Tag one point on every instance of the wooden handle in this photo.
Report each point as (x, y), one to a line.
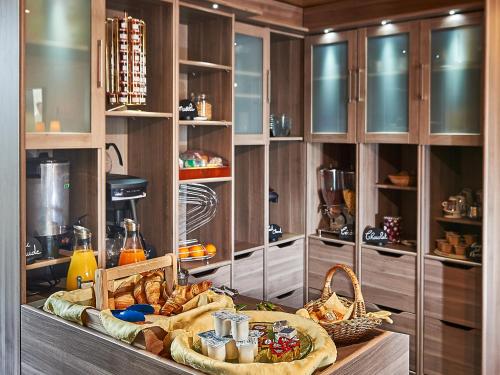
(359, 302)
(268, 87)
(421, 81)
(99, 63)
(349, 84)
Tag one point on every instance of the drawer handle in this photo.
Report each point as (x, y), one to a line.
(197, 275)
(286, 244)
(456, 265)
(457, 326)
(389, 254)
(333, 244)
(243, 256)
(285, 295)
(390, 309)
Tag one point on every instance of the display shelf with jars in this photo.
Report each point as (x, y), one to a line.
(332, 191)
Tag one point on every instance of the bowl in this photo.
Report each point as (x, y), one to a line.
(401, 180)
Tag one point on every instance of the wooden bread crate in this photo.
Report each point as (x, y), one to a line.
(105, 278)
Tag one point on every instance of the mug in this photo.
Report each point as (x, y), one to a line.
(451, 208)
(392, 226)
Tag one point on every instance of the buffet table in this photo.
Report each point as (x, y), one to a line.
(51, 345)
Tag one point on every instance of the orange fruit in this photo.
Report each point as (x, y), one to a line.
(183, 252)
(196, 251)
(211, 249)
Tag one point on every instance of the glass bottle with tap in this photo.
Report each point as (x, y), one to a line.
(132, 250)
(81, 271)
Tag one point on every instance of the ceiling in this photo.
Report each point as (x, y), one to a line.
(308, 3)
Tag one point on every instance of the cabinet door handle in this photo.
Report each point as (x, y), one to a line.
(99, 63)
(421, 81)
(349, 84)
(268, 93)
(358, 85)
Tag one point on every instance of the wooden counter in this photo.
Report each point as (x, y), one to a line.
(51, 345)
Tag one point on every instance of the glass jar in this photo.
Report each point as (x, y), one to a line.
(132, 250)
(204, 107)
(81, 271)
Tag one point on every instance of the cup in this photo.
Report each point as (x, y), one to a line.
(439, 243)
(449, 233)
(392, 226)
(447, 247)
(451, 208)
(460, 249)
(454, 239)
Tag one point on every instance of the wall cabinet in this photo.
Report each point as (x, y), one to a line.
(330, 63)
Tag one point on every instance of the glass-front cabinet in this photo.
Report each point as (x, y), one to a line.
(251, 90)
(59, 72)
(330, 87)
(452, 56)
(388, 78)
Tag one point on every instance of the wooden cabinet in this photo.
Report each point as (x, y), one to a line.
(294, 298)
(451, 349)
(251, 84)
(388, 279)
(388, 102)
(323, 255)
(218, 276)
(452, 85)
(285, 269)
(330, 87)
(249, 274)
(453, 292)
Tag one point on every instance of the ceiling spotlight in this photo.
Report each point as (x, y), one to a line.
(452, 12)
(329, 30)
(27, 11)
(384, 22)
(215, 6)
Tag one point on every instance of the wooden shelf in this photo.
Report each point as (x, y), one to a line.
(287, 237)
(332, 239)
(284, 139)
(205, 265)
(242, 247)
(392, 248)
(205, 123)
(451, 260)
(395, 187)
(205, 180)
(462, 221)
(138, 113)
(51, 262)
(191, 66)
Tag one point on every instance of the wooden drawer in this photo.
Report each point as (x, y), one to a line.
(451, 349)
(323, 255)
(285, 269)
(294, 299)
(249, 274)
(389, 279)
(453, 292)
(404, 322)
(218, 276)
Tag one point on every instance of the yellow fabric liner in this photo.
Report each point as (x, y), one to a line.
(324, 352)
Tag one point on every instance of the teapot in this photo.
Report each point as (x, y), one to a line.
(452, 207)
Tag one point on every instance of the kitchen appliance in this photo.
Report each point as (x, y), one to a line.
(338, 192)
(47, 202)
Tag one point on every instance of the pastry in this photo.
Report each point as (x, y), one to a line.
(152, 287)
(181, 295)
(140, 292)
(124, 300)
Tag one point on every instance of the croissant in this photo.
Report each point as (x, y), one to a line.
(181, 295)
(124, 300)
(152, 288)
(140, 291)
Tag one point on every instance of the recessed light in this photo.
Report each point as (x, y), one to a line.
(384, 22)
(329, 30)
(452, 12)
(215, 6)
(27, 11)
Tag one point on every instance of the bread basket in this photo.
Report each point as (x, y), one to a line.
(359, 323)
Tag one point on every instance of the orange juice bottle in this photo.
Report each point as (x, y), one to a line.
(81, 271)
(132, 250)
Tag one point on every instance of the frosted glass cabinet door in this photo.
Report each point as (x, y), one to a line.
(249, 84)
(58, 66)
(330, 65)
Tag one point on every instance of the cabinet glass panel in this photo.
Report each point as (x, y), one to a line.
(57, 70)
(387, 84)
(248, 84)
(456, 80)
(330, 92)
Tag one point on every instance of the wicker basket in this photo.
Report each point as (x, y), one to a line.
(359, 324)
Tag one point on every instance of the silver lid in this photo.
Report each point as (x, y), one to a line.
(82, 232)
(130, 225)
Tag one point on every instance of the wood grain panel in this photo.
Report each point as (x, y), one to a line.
(285, 268)
(348, 13)
(323, 255)
(293, 299)
(491, 267)
(453, 293)
(249, 274)
(218, 276)
(450, 349)
(11, 239)
(389, 279)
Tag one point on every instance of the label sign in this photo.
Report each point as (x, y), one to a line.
(374, 236)
(187, 110)
(347, 233)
